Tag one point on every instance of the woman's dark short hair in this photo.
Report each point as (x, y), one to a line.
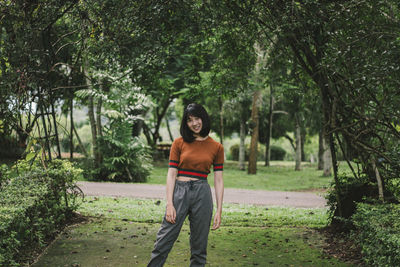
(195, 110)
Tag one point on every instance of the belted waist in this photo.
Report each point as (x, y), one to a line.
(190, 183)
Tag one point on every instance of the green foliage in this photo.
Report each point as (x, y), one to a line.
(125, 158)
(352, 191)
(3, 175)
(9, 147)
(391, 172)
(393, 186)
(234, 152)
(277, 153)
(35, 203)
(378, 233)
(342, 53)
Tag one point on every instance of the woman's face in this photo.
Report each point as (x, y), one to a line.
(195, 124)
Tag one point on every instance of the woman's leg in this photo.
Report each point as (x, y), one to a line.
(200, 214)
(169, 232)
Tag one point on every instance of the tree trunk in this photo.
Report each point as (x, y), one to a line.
(310, 62)
(320, 150)
(379, 181)
(92, 121)
(298, 143)
(169, 130)
(80, 142)
(303, 141)
(221, 119)
(269, 132)
(99, 127)
(98, 116)
(328, 108)
(137, 128)
(53, 113)
(252, 169)
(93, 128)
(327, 158)
(46, 135)
(242, 145)
(254, 125)
(71, 136)
(290, 141)
(147, 134)
(159, 115)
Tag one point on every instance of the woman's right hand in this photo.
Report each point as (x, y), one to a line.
(170, 215)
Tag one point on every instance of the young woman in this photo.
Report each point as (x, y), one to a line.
(188, 192)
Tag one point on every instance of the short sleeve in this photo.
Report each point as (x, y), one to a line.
(174, 154)
(219, 159)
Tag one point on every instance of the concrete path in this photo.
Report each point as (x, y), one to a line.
(241, 196)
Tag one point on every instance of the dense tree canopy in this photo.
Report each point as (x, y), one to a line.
(330, 66)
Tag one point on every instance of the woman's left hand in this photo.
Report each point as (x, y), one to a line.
(217, 220)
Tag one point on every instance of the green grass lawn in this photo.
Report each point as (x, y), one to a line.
(280, 176)
(121, 232)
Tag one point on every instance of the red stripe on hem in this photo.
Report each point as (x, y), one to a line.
(192, 173)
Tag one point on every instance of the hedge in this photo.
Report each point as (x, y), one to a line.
(277, 153)
(33, 206)
(378, 233)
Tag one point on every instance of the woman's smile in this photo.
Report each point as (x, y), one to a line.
(195, 124)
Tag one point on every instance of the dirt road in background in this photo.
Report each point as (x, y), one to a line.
(232, 195)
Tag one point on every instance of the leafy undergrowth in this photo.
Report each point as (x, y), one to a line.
(121, 232)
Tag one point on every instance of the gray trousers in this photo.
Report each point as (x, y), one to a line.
(191, 198)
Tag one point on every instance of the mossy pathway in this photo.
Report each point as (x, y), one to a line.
(123, 230)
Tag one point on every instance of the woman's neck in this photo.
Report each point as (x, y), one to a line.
(199, 137)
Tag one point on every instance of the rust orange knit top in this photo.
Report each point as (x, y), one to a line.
(195, 159)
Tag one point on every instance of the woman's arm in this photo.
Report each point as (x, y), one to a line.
(219, 195)
(170, 215)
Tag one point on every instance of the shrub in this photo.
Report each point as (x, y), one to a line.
(378, 233)
(34, 204)
(10, 148)
(124, 161)
(3, 175)
(277, 153)
(124, 158)
(351, 190)
(234, 152)
(393, 186)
